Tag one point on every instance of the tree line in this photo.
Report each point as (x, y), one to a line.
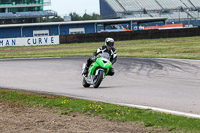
(77, 17)
(74, 17)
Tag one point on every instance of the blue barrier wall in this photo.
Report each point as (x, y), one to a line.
(10, 32)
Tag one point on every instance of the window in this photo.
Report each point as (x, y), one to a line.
(76, 30)
(40, 33)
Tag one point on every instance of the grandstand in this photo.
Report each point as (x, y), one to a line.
(175, 10)
(153, 6)
(23, 11)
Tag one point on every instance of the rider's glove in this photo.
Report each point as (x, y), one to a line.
(93, 58)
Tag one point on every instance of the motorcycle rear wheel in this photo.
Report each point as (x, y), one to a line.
(99, 79)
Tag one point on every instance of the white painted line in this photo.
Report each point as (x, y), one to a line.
(10, 59)
(41, 58)
(160, 110)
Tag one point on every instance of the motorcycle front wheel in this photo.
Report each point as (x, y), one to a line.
(98, 79)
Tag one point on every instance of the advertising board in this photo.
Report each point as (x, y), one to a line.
(30, 41)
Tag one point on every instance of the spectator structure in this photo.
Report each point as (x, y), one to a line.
(23, 11)
(175, 10)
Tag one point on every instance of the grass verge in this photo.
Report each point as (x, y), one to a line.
(108, 111)
(182, 48)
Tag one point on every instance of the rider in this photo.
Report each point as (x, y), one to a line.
(109, 48)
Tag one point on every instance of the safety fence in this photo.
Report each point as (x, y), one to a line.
(130, 35)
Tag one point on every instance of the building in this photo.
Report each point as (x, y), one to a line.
(21, 5)
(66, 28)
(177, 11)
(23, 11)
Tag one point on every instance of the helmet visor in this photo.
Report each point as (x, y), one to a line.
(110, 44)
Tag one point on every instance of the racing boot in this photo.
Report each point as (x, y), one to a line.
(85, 72)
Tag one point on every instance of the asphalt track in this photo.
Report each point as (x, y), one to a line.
(162, 84)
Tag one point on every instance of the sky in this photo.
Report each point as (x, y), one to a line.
(65, 7)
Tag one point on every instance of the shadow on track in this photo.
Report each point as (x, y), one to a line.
(101, 87)
(151, 66)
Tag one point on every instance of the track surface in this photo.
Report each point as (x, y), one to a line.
(163, 83)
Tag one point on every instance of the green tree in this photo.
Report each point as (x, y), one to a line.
(95, 16)
(86, 17)
(76, 17)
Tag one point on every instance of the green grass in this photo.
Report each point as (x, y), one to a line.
(182, 48)
(68, 106)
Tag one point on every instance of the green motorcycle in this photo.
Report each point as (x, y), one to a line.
(98, 70)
